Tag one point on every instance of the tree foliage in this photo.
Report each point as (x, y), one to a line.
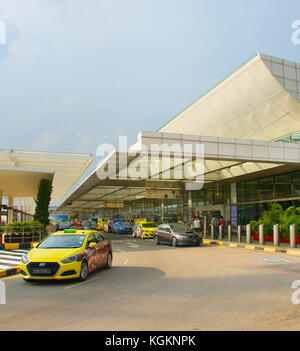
(42, 201)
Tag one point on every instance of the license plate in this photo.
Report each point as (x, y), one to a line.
(41, 271)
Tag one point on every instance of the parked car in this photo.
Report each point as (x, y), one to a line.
(176, 234)
(67, 254)
(89, 225)
(144, 230)
(121, 227)
(60, 225)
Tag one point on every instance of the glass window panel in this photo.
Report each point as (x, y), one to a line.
(218, 196)
(251, 190)
(296, 183)
(283, 185)
(209, 197)
(241, 191)
(201, 198)
(266, 188)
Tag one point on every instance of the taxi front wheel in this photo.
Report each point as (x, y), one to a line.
(108, 261)
(84, 271)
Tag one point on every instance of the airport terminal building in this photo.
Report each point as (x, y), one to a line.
(249, 127)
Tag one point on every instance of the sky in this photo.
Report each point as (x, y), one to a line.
(75, 74)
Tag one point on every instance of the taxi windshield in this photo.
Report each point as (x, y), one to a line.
(62, 242)
(149, 225)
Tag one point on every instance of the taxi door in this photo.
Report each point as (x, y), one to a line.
(101, 249)
(91, 252)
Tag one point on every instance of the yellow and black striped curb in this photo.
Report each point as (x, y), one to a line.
(288, 251)
(14, 246)
(9, 272)
(17, 246)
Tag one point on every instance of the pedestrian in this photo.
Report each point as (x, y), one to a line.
(196, 224)
(109, 223)
(222, 223)
(215, 225)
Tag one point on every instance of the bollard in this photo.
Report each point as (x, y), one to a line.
(239, 234)
(276, 235)
(220, 233)
(212, 232)
(204, 227)
(293, 236)
(248, 233)
(229, 232)
(261, 235)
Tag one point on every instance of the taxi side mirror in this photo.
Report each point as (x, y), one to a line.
(92, 245)
(35, 245)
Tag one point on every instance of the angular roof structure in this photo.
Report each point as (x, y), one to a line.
(237, 122)
(261, 100)
(20, 171)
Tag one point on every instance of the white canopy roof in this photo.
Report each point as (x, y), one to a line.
(261, 100)
(224, 159)
(20, 171)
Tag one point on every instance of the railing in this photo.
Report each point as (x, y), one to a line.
(218, 234)
(12, 235)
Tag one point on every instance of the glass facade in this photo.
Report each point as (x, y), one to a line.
(275, 187)
(253, 197)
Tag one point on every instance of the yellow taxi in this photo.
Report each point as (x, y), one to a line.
(101, 222)
(144, 230)
(67, 254)
(139, 220)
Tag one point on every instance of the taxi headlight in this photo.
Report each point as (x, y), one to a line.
(71, 259)
(24, 259)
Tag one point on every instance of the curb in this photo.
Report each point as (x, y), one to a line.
(287, 251)
(13, 246)
(16, 246)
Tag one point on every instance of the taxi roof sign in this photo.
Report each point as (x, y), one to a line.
(70, 231)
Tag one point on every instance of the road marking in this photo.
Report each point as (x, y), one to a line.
(11, 259)
(276, 260)
(119, 250)
(73, 286)
(237, 263)
(11, 253)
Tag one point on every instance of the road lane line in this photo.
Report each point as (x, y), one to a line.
(73, 286)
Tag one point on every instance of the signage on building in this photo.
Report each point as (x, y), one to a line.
(234, 216)
(163, 194)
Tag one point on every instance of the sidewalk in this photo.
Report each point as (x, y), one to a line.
(283, 248)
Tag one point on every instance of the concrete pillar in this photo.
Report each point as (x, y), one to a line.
(248, 233)
(233, 193)
(220, 233)
(239, 233)
(162, 210)
(261, 235)
(229, 233)
(205, 226)
(19, 215)
(1, 194)
(212, 231)
(10, 212)
(293, 236)
(190, 204)
(276, 235)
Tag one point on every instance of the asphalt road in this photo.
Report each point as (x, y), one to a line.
(162, 288)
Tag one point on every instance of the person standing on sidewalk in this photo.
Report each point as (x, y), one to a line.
(222, 223)
(196, 224)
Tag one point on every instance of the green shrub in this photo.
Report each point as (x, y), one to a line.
(276, 215)
(28, 228)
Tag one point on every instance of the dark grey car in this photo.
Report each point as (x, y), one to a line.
(176, 234)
